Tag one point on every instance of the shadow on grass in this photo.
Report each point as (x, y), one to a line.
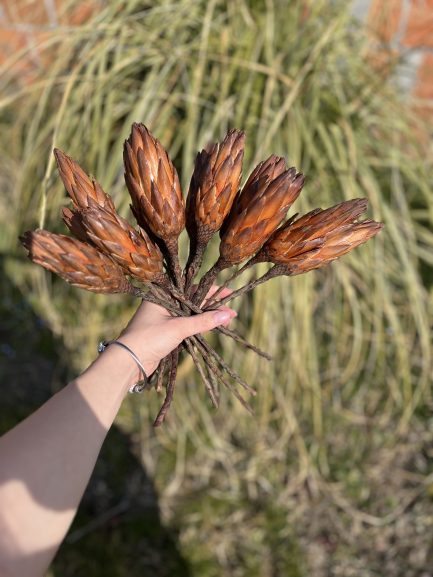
(118, 529)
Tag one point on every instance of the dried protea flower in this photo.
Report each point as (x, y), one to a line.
(213, 187)
(248, 222)
(132, 250)
(153, 184)
(261, 206)
(257, 211)
(319, 232)
(76, 262)
(214, 184)
(337, 244)
(78, 184)
(72, 219)
(313, 241)
(82, 189)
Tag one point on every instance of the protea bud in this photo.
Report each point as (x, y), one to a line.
(336, 244)
(312, 241)
(76, 262)
(259, 209)
(132, 250)
(78, 184)
(153, 184)
(213, 187)
(320, 236)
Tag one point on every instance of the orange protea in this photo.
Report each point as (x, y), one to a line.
(214, 184)
(260, 208)
(312, 241)
(76, 262)
(257, 211)
(320, 236)
(78, 184)
(153, 184)
(132, 250)
(82, 189)
(250, 222)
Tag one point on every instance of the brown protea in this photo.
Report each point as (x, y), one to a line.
(248, 222)
(154, 186)
(82, 189)
(72, 219)
(76, 262)
(258, 210)
(78, 184)
(320, 236)
(312, 241)
(311, 232)
(213, 187)
(132, 250)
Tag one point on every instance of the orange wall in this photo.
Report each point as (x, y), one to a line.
(407, 25)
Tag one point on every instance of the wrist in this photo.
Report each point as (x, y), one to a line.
(149, 365)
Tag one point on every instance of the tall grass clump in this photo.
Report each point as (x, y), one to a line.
(336, 455)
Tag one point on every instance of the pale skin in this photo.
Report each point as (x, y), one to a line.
(46, 460)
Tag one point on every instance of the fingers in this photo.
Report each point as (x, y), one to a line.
(188, 326)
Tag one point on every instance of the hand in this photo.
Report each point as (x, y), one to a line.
(153, 333)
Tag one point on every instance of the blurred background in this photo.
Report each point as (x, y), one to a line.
(334, 475)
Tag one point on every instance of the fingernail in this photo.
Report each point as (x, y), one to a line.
(223, 316)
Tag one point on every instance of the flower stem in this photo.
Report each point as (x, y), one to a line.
(276, 270)
(170, 388)
(193, 266)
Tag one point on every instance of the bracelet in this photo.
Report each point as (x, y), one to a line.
(140, 385)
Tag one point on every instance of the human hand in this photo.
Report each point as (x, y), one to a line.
(153, 333)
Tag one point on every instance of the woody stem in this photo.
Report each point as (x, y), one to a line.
(174, 356)
(276, 270)
(173, 261)
(207, 281)
(193, 265)
(237, 273)
(224, 330)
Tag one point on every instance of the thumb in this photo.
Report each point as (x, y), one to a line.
(188, 326)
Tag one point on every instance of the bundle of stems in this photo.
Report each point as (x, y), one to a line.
(108, 255)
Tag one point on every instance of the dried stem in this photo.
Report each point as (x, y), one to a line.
(234, 375)
(191, 349)
(193, 265)
(224, 330)
(276, 270)
(170, 389)
(161, 372)
(227, 384)
(207, 281)
(173, 261)
(237, 273)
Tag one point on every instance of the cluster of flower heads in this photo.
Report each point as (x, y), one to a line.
(106, 254)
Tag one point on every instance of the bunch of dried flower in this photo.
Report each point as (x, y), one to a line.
(109, 255)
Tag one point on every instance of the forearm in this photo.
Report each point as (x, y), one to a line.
(50, 457)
